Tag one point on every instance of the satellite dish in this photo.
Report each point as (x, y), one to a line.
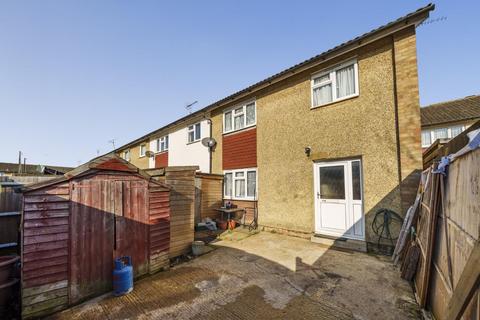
(209, 142)
(149, 154)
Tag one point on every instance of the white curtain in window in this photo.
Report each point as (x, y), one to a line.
(239, 184)
(239, 122)
(228, 184)
(322, 95)
(228, 121)
(456, 131)
(345, 81)
(426, 138)
(240, 188)
(441, 133)
(251, 183)
(250, 114)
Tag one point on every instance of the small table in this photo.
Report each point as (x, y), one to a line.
(229, 212)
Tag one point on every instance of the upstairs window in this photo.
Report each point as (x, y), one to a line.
(426, 138)
(455, 131)
(126, 155)
(194, 132)
(162, 144)
(430, 135)
(441, 133)
(240, 117)
(143, 150)
(335, 84)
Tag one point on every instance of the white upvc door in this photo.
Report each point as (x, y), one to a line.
(338, 199)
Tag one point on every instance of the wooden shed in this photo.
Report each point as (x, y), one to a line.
(74, 226)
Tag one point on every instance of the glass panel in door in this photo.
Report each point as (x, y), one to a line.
(332, 182)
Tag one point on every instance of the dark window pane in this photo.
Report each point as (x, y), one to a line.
(197, 131)
(356, 182)
(332, 182)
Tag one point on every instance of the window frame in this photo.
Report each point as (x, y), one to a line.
(125, 153)
(195, 139)
(333, 81)
(431, 131)
(245, 172)
(158, 142)
(140, 154)
(244, 112)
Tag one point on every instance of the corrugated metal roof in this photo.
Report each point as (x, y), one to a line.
(357, 41)
(467, 108)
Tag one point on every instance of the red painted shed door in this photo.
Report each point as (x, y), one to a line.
(108, 220)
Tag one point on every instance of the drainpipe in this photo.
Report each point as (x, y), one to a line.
(209, 121)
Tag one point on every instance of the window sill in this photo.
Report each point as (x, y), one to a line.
(239, 199)
(336, 101)
(196, 141)
(240, 130)
(159, 152)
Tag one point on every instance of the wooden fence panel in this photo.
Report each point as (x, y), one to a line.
(209, 195)
(182, 197)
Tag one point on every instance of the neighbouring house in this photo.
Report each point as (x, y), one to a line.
(446, 120)
(177, 144)
(12, 169)
(317, 149)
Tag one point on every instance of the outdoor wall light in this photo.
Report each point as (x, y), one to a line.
(308, 150)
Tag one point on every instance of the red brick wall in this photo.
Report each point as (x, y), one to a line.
(161, 160)
(239, 150)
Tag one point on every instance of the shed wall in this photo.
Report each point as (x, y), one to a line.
(72, 231)
(45, 250)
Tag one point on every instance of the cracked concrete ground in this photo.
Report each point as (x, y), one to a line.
(265, 276)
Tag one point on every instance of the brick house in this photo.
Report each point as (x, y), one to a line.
(321, 147)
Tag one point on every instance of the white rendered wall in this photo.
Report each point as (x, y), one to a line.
(182, 153)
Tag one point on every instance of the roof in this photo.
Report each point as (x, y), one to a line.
(34, 169)
(413, 18)
(463, 109)
(109, 162)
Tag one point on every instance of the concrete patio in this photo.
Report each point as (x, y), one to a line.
(264, 276)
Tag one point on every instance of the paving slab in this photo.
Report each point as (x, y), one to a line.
(264, 276)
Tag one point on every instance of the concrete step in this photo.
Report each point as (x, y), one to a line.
(344, 243)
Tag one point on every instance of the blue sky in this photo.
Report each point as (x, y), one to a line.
(75, 74)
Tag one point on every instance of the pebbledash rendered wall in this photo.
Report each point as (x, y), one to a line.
(365, 127)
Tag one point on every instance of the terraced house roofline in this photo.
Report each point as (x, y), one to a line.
(467, 108)
(411, 19)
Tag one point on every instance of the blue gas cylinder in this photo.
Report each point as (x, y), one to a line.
(122, 276)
